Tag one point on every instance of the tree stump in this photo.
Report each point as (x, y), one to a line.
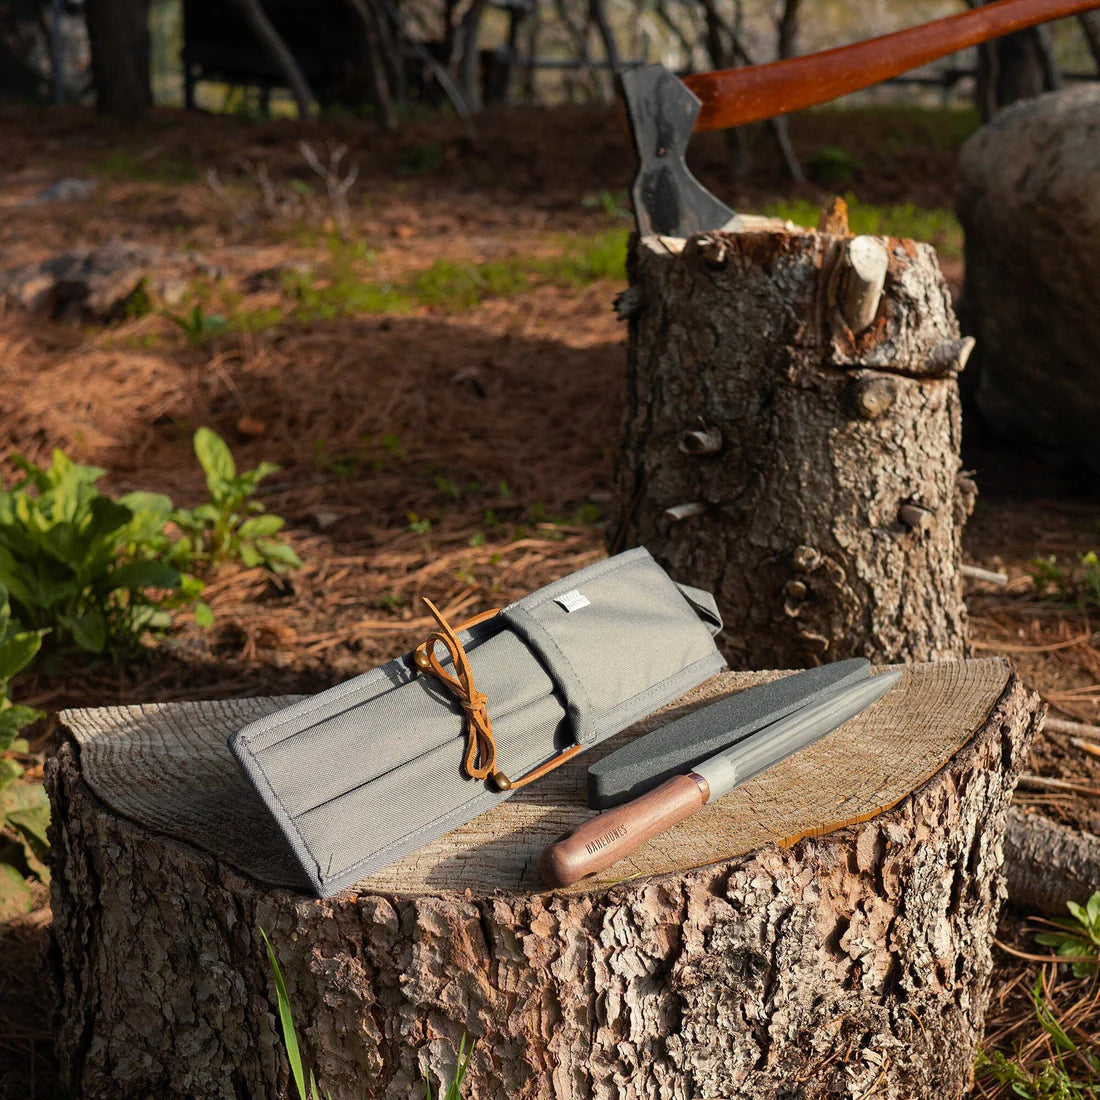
(791, 440)
(823, 931)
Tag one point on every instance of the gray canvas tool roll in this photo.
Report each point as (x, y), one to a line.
(368, 771)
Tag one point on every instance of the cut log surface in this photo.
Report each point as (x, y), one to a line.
(828, 923)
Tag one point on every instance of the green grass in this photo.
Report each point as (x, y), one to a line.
(936, 225)
(146, 165)
(339, 289)
(305, 1080)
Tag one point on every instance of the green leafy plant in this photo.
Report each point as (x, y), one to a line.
(1077, 938)
(82, 566)
(24, 810)
(1078, 584)
(232, 525)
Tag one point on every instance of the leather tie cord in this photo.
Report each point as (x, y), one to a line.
(480, 758)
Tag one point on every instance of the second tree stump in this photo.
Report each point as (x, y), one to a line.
(792, 440)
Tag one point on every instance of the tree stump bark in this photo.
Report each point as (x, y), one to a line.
(823, 930)
(791, 440)
(826, 927)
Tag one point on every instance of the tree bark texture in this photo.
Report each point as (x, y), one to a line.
(826, 962)
(825, 511)
(118, 33)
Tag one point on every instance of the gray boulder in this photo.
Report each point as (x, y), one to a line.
(103, 283)
(1029, 201)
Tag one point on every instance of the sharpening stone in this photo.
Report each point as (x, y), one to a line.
(674, 749)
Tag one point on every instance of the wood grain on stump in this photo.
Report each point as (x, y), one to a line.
(791, 440)
(824, 929)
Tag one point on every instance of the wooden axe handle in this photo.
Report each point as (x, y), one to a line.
(733, 97)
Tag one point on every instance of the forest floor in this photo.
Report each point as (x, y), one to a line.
(438, 374)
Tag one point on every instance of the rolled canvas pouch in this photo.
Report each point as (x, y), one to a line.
(372, 769)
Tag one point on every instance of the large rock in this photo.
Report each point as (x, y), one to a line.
(1029, 201)
(103, 283)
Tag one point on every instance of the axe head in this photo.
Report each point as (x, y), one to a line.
(668, 199)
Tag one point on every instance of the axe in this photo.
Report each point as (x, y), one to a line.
(664, 111)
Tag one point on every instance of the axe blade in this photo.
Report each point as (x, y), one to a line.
(668, 199)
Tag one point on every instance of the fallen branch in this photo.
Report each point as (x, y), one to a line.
(1044, 782)
(1075, 729)
(1047, 864)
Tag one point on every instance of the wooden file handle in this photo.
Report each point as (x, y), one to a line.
(733, 97)
(611, 835)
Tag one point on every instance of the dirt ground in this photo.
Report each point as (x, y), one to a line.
(466, 454)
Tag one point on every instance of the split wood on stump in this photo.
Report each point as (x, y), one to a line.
(825, 930)
(792, 439)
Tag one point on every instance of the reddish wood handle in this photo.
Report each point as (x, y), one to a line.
(733, 97)
(611, 835)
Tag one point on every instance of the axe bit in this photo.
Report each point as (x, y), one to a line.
(663, 110)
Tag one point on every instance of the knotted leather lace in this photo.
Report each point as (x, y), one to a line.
(480, 758)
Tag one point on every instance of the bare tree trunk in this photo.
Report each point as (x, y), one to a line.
(787, 28)
(1017, 66)
(370, 18)
(792, 441)
(786, 45)
(284, 60)
(714, 962)
(1090, 26)
(118, 33)
(468, 55)
(598, 14)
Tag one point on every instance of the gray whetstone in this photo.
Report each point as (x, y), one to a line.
(642, 764)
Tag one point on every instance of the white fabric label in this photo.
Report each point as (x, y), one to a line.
(572, 600)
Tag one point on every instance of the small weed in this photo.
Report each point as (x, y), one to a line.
(419, 525)
(340, 466)
(1078, 585)
(198, 325)
(140, 302)
(447, 487)
(294, 1053)
(1072, 1072)
(1072, 1069)
(393, 446)
(454, 1089)
(290, 1035)
(232, 525)
(615, 204)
